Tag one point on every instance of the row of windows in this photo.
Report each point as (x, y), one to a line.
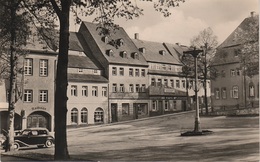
(132, 72)
(165, 67)
(84, 91)
(43, 67)
(132, 88)
(156, 104)
(28, 96)
(233, 72)
(222, 92)
(98, 115)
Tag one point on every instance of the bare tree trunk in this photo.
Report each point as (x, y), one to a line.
(12, 79)
(60, 112)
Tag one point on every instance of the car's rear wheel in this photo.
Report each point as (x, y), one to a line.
(16, 146)
(48, 143)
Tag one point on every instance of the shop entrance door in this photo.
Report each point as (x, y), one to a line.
(114, 112)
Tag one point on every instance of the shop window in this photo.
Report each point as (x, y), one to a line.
(84, 115)
(125, 108)
(154, 105)
(99, 116)
(74, 116)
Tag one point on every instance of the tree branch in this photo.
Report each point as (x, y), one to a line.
(56, 8)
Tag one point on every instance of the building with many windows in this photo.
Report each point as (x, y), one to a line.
(124, 66)
(166, 86)
(87, 88)
(231, 89)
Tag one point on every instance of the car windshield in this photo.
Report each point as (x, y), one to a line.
(26, 132)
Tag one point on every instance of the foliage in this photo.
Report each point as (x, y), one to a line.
(249, 52)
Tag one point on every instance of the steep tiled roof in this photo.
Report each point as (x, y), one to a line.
(152, 52)
(231, 39)
(74, 43)
(81, 62)
(96, 40)
(86, 78)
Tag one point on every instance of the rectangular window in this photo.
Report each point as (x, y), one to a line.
(137, 72)
(177, 83)
(95, 71)
(143, 73)
(232, 72)
(159, 83)
(224, 93)
(137, 88)
(223, 73)
(114, 71)
(104, 91)
(154, 105)
(166, 105)
(125, 108)
(121, 71)
(235, 92)
(131, 88)
(85, 91)
(43, 96)
(171, 83)
(131, 72)
(28, 67)
(152, 82)
(217, 95)
(121, 88)
(114, 88)
(28, 96)
(73, 90)
(169, 67)
(238, 72)
(183, 84)
(143, 88)
(43, 67)
(94, 91)
(165, 82)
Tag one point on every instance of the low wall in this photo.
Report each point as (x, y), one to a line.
(237, 112)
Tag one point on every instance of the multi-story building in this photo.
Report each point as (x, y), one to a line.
(87, 88)
(166, 86)
(231, 89)
(124, 66)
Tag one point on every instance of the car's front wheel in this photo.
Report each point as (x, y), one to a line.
(16, 146)
(48, 143)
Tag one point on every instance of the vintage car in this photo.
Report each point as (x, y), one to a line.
(33, 136)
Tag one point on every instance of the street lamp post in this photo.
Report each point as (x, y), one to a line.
(195, 52)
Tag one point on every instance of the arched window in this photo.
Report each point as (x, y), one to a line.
(251, 90)
(84, 115)
(234, 92)
(74, 116)
(99, 115)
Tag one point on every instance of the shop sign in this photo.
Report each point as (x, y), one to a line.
(169, 90)
(38, 108)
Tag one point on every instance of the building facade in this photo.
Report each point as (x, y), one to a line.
(232, 89)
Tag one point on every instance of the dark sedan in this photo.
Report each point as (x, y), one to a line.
(33, 136)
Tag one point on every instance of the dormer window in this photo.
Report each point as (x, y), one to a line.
(135, 55)
(123, 54)
(162, 52)
(105, 39)
(142, 50)
(110, 52)
(120, 42)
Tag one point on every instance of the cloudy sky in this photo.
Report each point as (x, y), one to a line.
(187, 20)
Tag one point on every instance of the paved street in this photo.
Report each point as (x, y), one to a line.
(158, 139)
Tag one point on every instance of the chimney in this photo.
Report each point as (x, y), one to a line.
(252, 13)
(136, 35)
(178, 44)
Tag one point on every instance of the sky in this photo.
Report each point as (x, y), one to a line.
(187, 20)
